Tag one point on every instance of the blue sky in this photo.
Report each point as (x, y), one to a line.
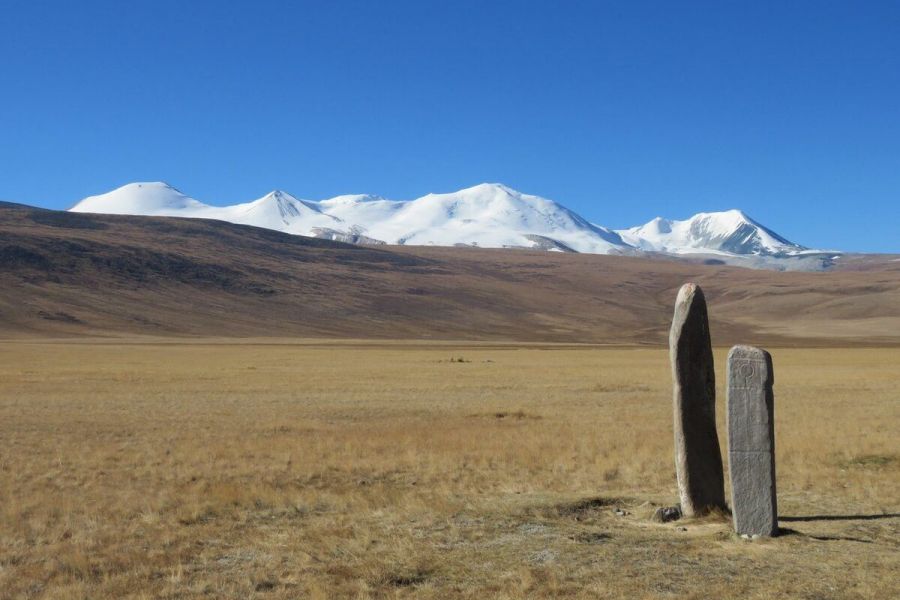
(620, 110)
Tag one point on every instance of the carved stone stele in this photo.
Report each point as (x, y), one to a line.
(751, 441)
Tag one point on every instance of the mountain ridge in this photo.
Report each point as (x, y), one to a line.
(489, 215)
(704, 231)
(74, 274)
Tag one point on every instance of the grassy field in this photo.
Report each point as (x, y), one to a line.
(319, 470)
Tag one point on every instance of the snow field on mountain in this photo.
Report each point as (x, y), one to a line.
(486, 215)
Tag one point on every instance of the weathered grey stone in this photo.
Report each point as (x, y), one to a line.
(751, 441)
(698, 458)
(665, 514)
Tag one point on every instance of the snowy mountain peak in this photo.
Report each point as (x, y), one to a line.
(489, 215)
(279, 210)
(278, 195)
(280, 204)
(143, 198)
(723, 220)
(348, 199)
(151, 185)
(483, 193)
(491, 188)
(730, 231)
(657, 226)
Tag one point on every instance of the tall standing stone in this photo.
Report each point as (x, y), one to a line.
(698, 459)
(751, 441)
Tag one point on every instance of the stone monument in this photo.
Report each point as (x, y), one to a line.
(751, 441)
(698, 458)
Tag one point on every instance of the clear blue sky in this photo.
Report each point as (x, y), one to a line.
(620, 110)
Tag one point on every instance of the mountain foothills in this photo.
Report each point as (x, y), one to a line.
(74, 274)
(486, 215)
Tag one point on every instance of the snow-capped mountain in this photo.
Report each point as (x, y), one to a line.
(728, 232)
(486, 215)
(152, 199)
(276, 210)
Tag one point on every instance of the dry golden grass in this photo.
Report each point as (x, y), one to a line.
(389, 470)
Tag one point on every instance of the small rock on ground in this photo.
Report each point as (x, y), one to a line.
(666, 514)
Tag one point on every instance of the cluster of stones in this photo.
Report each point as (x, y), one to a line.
(751, 431)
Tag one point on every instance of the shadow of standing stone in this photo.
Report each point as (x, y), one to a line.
(751, 441)
(698, 458)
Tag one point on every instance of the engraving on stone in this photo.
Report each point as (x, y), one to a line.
(744, 375)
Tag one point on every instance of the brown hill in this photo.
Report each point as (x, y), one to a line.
(74, 274)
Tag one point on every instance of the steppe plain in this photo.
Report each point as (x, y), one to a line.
(295, 469)
(199, 410)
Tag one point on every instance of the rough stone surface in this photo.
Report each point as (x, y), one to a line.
(665, 514)
(751, 441)
(698, 458)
